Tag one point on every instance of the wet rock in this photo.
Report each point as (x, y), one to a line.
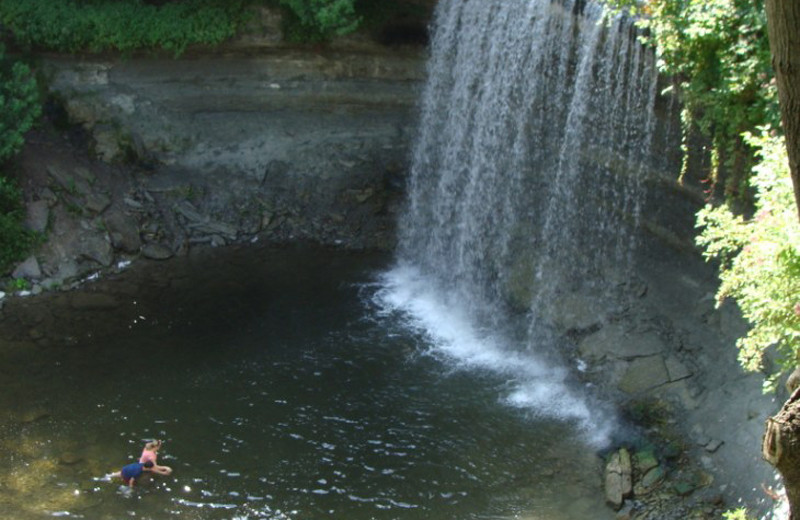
(651, 480)
(31, 416)
(70, 458)
(626, 513)
(644, 461)
(618, 483)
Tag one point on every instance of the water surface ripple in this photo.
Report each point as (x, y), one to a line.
(280, 392)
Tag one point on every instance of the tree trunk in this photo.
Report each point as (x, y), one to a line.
(781, 448)
(783, 24)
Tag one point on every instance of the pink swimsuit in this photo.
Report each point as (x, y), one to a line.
(148, 455)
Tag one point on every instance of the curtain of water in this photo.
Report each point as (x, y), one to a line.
(526, 179)
(525, 186)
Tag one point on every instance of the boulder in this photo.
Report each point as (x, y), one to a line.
(29, 269)
(38, 215)
(97, 248)
(618, 478)
(124, 231)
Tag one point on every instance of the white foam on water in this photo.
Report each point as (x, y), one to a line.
(535, 386)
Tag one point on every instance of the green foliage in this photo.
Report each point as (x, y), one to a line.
(19, 104)
(326, 16)
(717, 53)
(18, 284)
(760, 260)
(122, 25)
(736, 514)
(317, 20)
(19, 109)
(15, 240)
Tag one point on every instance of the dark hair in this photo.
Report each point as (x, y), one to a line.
(148, 464)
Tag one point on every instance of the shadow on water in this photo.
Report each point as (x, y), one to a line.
(279, 391)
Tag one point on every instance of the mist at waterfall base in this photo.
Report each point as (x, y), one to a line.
(526, 182)
(535, 386)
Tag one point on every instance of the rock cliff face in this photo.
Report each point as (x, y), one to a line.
(252, 140)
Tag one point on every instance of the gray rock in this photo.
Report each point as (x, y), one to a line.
(651, 480)
(64, 270)
(70, 458)
(38, 215)
(614, 342)
(644, 374)
(97, 202)
(28, 269)
(124, 231)
(215, 228)
(95, 247)
(676, 369)
(578, 312)
(618, 481)
(644, 461)
(107, 143)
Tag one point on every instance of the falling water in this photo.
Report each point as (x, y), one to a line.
(526, 183)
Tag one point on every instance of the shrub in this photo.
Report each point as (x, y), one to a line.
(321, 18)
(15, 240)
(19, 109)
(122, 25)
(19, 104)
(760, 261)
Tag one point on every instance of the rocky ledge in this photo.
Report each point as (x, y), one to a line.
(149, 157)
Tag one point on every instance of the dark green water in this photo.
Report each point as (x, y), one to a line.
(280, 392)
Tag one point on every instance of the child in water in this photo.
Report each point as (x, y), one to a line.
(150, 454)
(132, 472)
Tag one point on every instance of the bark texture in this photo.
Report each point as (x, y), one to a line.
(781, 448)
(783, 23)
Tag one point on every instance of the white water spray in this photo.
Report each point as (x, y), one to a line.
(526, 182)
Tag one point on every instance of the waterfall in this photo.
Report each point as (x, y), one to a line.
(525, 187)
